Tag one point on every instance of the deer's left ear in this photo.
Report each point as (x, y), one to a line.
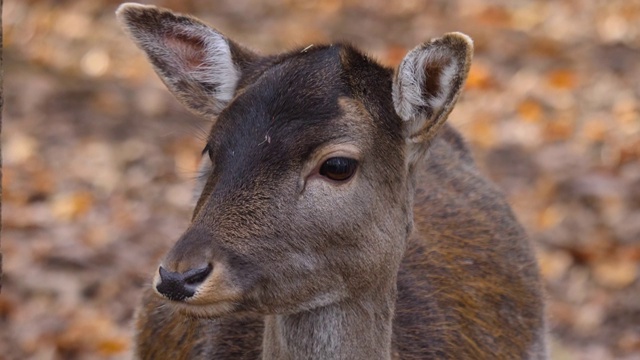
(427, 84)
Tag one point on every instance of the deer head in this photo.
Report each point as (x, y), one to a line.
(308, 195)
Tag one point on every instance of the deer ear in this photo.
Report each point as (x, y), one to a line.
(199, 65)
(428, 82)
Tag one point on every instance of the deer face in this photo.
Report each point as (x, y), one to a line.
(307, 197)
(291, 215)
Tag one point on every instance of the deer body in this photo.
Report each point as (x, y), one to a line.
(340, 217)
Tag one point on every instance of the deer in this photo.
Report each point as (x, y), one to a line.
(338, 215)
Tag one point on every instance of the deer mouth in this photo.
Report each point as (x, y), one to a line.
(204, 311)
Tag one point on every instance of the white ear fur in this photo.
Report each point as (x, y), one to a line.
(193, 59)
(428, 82)
(409, 97)
(218, 69)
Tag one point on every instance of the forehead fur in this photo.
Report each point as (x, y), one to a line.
(290, 103)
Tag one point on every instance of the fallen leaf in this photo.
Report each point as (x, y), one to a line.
(615, 274)
(562, 79)
(560, 128)
(71, 206)
(479, 77)
(595, 130)
(530, 110)
(554, 265)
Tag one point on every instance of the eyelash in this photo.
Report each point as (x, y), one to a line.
(207, 150)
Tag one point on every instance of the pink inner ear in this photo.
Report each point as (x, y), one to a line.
(189, 50)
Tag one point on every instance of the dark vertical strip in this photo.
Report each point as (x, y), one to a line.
(1, 107)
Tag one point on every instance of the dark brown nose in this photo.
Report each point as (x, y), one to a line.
(180, 286)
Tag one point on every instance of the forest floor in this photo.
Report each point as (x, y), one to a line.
(100, 160)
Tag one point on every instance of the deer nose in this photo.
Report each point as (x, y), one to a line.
(180, 286)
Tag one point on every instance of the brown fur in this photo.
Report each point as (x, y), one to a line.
(416, 256)
(459, 294)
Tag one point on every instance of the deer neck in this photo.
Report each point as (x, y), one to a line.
(352, 329)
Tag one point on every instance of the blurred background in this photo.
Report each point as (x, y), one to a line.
(100, 160)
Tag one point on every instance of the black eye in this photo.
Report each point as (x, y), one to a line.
(338, 168)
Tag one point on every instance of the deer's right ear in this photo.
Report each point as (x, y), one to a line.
(199, 65)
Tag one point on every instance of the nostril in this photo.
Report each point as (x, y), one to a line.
(167, 275)
(196, 276)
(172, 285)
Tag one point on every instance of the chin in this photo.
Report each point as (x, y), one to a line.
(204, 311)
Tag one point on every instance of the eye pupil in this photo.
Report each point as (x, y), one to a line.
(338, 168)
